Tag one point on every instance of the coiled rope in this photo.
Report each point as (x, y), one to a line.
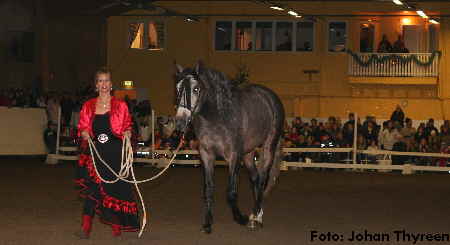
(126, 167)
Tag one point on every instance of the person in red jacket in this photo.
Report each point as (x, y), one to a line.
(106, 120)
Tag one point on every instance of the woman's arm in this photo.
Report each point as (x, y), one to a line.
(84, 122)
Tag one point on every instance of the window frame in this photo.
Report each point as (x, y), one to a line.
(327, 29)
(146, 21)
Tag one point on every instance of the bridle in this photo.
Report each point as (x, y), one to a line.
(184, 99)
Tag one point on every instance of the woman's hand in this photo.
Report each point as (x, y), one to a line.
(127, 134)
(85, 135)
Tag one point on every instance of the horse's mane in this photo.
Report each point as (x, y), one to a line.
(219, 91)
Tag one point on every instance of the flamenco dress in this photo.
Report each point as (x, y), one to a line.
(114, 203)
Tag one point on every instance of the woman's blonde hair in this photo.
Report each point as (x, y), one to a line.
(102, 70)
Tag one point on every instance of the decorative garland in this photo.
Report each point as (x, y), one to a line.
(375, 58)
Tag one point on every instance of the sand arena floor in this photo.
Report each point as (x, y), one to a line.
(39, 206)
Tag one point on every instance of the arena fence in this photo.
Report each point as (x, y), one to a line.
(160, 158)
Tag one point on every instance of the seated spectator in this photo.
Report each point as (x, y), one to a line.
(384, 46)
(399, 46)
(398, 115)
(430, 127)
(372, 146)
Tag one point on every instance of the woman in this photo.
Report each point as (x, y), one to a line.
(106, 120)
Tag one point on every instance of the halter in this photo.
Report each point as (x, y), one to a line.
(186, 88)
(186, 98)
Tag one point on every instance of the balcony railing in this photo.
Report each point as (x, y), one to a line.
(394, 64)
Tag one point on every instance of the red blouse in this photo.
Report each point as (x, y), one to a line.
(120, 118)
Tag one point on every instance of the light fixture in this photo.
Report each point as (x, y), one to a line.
(190, 19)
(276, 7)
(434, 22)
(298, 16)
(422, 14)
(127, 84)
(398, 2)
(406, 21)
(293, 13)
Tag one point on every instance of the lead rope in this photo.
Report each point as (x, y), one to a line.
(126, 167)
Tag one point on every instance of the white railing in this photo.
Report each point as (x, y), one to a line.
(394, 67)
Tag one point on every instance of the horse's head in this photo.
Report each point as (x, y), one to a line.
(189, 90)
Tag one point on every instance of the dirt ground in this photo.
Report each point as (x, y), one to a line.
(39, 206)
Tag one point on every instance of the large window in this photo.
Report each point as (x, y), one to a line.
(337, 36)
(367, 35)
(305, 36)
(148, 35)
(283, 38)
(243, 36)
(224, 30)
(263, 36)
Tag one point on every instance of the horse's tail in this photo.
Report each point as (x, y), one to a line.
(274, 171)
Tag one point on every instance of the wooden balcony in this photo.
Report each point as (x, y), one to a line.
(394, 68)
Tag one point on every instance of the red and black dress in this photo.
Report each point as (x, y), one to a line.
(114, 203)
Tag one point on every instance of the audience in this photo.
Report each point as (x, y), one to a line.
(396, 134)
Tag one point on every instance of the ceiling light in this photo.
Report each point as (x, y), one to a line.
(298, 16)
(434, 22)
(422, 14)
(398, 2)
(190, 19)
(293, 13)
(276, 7)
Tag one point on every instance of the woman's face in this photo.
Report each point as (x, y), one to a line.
(103, 83)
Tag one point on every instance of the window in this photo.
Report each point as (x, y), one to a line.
(243, 36)
(283, 37)
(148, 35)
(224, 30)
(305, 36)
(367, 34)
(337, 36)
(263, 36)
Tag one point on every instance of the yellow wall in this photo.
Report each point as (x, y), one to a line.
(324, 94)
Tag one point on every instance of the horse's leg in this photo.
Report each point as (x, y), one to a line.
(249, 161)
(264, 167)
(208, 188)
(232, 193)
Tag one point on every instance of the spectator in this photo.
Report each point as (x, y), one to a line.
(398, 115)
(384, 46)
(399, 46)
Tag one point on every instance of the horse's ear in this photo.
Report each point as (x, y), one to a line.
(178, 68)
(199, 67)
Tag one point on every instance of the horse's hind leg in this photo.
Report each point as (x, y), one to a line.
(264, 168)
(232, 193)
(254, 179)
(208, 188)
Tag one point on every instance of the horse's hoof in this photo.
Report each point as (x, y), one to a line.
(243, 220)
(206, 229)
(254, 225)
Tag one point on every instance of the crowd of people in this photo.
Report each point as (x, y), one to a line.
(397, 134)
